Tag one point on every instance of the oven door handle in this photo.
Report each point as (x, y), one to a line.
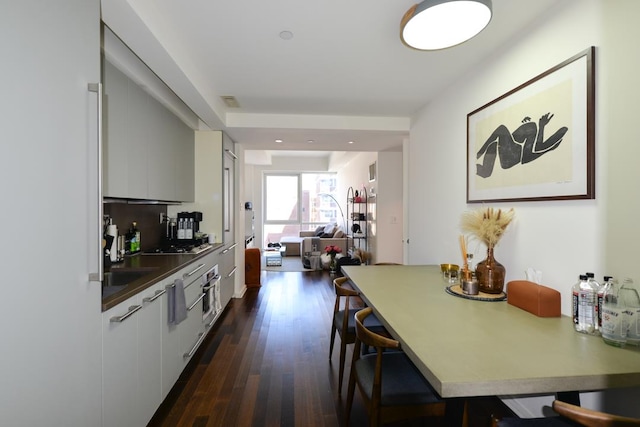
(211, 285)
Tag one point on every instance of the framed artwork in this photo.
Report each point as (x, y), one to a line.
(536, 142)
(372, 172)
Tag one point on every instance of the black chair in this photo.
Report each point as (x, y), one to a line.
(391, 386)
(570, 415)
(344, 323)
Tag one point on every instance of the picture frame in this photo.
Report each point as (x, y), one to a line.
(537, 141)
(372, 172)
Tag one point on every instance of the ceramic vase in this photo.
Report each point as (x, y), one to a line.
(490, 274)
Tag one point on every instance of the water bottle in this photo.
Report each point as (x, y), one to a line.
(591, 278)
(614, 316)
(630, 296)
(584, 301)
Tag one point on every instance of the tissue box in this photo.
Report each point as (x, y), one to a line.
(536, 299)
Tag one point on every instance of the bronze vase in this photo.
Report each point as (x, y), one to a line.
(490, 274)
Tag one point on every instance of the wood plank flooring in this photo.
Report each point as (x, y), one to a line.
(266, 363)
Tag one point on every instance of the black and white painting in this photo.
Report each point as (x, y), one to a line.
(536, 142)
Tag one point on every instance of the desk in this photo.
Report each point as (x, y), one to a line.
(474, 348)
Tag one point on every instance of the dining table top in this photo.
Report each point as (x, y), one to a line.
(467, 347)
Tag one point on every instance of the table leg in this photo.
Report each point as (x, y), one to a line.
(454, 411)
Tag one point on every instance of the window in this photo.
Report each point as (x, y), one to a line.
(297, 201)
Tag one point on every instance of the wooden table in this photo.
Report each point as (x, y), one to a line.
(475, 348)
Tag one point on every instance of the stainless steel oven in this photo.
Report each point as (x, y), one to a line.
(211, 305)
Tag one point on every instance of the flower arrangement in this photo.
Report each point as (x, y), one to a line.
(332, 250)
(487, 225)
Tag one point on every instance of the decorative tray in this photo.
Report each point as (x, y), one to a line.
(456, 290)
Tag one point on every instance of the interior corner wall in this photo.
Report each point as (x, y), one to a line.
(355, 173)
(561, 238)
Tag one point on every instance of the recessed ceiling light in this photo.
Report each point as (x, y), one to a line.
(350, 142)
(286, 35)
(310, 141)
(278, 141)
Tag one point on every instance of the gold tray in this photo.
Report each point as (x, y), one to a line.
(456, 290)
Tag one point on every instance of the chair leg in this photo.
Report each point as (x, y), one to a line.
(343, 354)
(351, 390)
(333, 339)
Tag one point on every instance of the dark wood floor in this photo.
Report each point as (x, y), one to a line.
(266, 364)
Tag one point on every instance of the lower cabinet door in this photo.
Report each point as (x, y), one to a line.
(120, 365)
(172, 363)
(193, 329)
(150, 352)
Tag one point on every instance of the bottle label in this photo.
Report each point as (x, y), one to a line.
(614, 324)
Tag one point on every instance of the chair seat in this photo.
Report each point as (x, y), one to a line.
(402, 383)
(371, 322)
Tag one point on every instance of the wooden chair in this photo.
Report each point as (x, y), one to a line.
(391, 386)
(570, 415)
(344, 323)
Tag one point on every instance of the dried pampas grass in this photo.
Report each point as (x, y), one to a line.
(486, 225)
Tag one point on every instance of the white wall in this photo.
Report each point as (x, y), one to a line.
(562, 239)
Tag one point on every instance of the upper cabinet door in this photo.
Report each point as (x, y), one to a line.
(115, 135)
(148, 150)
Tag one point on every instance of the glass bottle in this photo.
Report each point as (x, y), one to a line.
(630, 296)
(614, 319)
(584, 306)
(181, 228)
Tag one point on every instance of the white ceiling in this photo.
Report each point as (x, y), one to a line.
(344, 76)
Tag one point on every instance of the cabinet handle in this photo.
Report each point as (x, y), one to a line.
(184, 276)
(98, 277)
(132, 309)
(231, 153)
(235, 267)
(201, 337)
(196, 301)
(210, 324)
(229, 248)
(155, 296)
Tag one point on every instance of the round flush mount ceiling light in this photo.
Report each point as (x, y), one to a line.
(438, 24)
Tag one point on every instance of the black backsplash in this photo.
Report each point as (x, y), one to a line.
(147, 217)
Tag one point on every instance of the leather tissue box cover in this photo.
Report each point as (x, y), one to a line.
(536, 299)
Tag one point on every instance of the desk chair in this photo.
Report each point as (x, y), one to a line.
(391, 386)
(570, 415)
(344, 323)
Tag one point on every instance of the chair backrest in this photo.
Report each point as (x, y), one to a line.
(365, 336)
(342, 291)
(590, 418)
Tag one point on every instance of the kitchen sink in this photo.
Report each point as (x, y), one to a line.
(124, 276)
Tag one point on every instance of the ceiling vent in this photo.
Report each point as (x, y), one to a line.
(230, 101)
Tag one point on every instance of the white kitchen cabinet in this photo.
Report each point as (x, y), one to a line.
(136, 160)
(149, 352)
(132, 359)
(120, 365)
(180, 339)
(228, 189)
(228, 269)
(148, 150)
